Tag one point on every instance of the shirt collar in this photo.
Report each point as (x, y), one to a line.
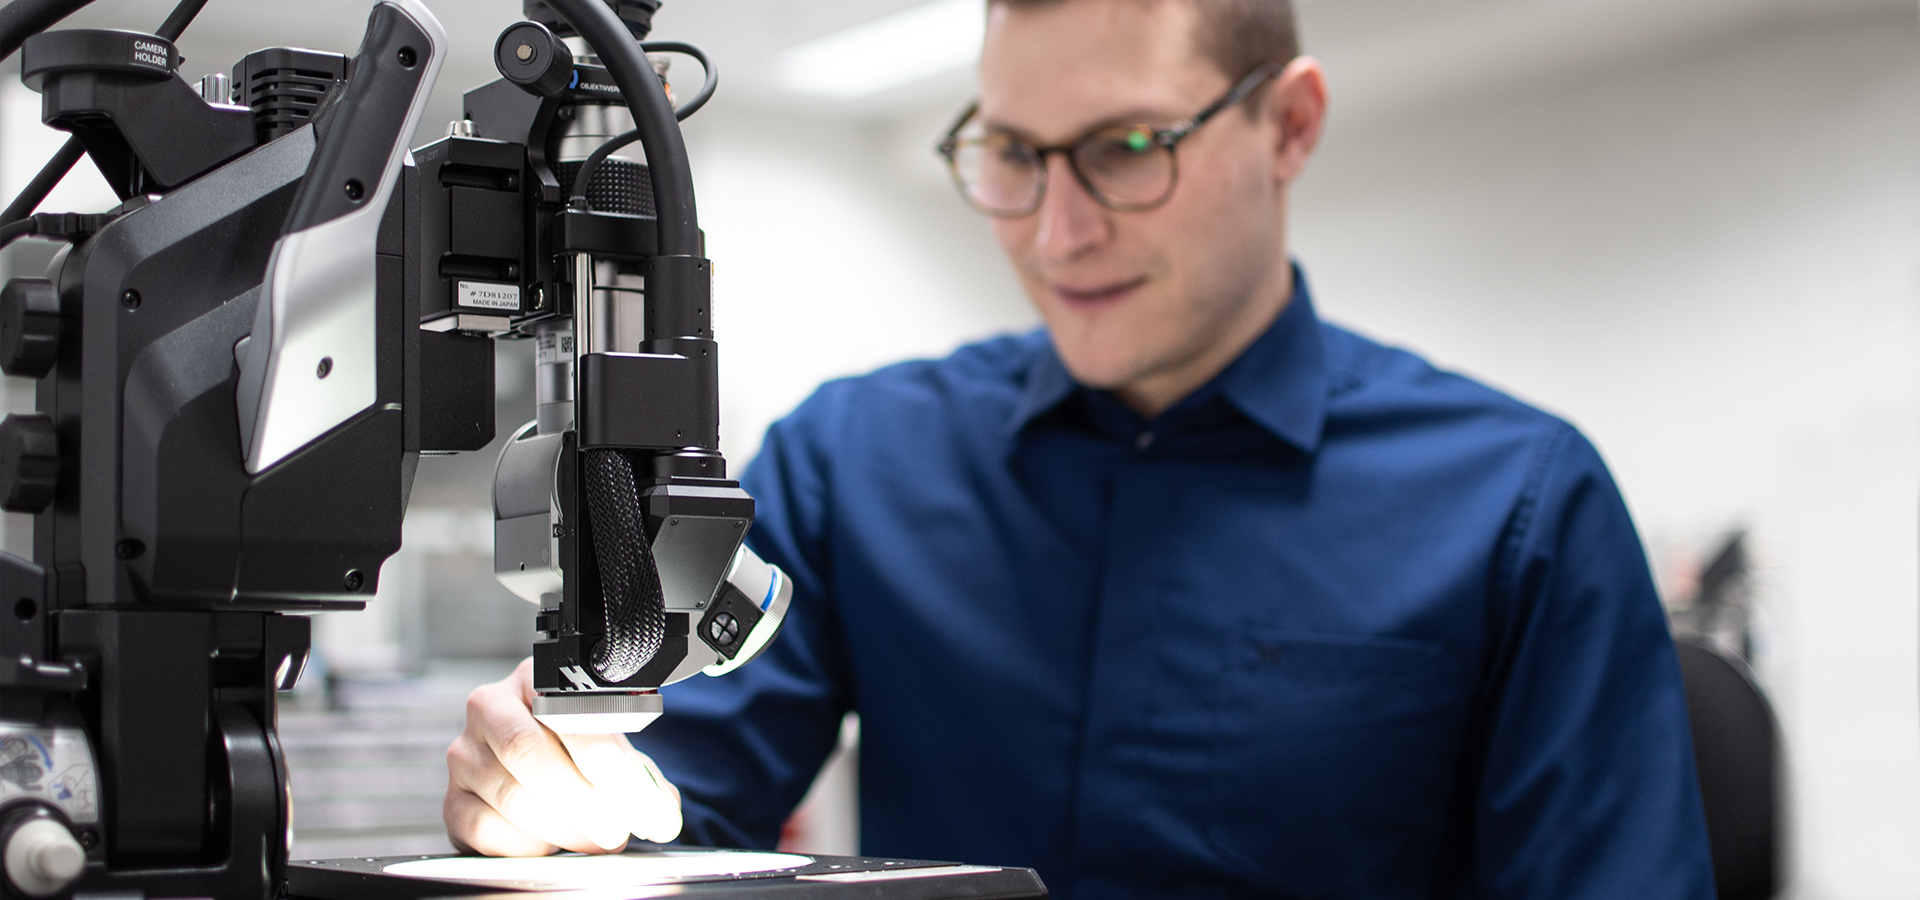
(1047, 385)
(1280, 382)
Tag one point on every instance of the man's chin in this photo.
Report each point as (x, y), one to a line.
(1103, 352)
(1097, 373)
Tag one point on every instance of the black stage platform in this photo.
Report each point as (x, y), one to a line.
(699, 874)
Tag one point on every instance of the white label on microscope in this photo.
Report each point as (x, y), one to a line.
(553, 347)
(52, 765)
(481, 295)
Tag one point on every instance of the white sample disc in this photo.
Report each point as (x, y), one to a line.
(575, 872)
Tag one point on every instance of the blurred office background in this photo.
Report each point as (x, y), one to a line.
(1691, 228)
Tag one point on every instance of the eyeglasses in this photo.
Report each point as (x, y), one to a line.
(1127, 168)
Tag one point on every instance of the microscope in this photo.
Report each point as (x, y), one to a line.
(240, 365)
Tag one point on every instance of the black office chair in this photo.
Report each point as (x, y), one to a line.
(1736, 746)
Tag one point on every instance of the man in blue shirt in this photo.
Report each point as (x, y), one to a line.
(1189, 594)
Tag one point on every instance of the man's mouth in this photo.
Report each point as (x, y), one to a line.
(1097, 295)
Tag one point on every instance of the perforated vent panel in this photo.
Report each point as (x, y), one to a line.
(285, 87)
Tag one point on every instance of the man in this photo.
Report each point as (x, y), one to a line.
(1187, 595)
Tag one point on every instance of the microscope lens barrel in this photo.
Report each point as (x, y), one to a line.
(612, 316)
(553, 376)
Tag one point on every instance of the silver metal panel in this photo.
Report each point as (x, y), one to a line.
(585, 713)
(591, 126)
(693, 553)
(523, 557)
(772, 590)
(553, 375)
(526, 551)
(320, 307)
(620, 302)
(699, 658)
(320, 370)
(523, 478)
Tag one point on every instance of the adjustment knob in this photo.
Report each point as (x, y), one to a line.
(29, 462)
(42, 857)
(29, 327)
(530, 56)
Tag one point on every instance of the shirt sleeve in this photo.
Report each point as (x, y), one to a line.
(1588, 787)
(744, 747)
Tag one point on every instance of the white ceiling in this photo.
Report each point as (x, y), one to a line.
(1392, 57)
(1384, 56)
(741, 35)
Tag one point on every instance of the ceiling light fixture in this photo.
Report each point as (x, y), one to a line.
(908, 46)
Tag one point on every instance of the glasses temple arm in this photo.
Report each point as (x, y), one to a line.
(946, 143)
(1240, 91)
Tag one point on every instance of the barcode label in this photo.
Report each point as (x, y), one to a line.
(553, 347)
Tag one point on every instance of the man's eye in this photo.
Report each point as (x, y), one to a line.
(1132, 142)
(1010, 153)
(1117, 147)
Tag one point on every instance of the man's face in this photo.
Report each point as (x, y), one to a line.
(1138, 301)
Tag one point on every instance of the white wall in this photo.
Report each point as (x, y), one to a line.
(835, 252)
(1707, 255)
(25, 145)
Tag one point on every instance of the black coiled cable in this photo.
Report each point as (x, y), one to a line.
(636, 610)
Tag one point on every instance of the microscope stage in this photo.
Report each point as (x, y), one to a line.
(678, 872)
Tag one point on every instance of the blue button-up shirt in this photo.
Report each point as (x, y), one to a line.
(1338, 624)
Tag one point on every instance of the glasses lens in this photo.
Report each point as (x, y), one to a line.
(998, 173)
(1126, 166)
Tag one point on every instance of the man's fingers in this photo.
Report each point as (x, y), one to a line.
(628, 781)
(522, 681)
(556, 821)
(539, 763)
(474, 771)
(668, 826)
(475, 827)
(517, 788)
(628, 788)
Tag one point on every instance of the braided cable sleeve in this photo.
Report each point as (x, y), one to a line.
(636, 610)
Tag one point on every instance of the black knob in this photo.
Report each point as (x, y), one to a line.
(29, 462)
(532, 57)
(29, 327)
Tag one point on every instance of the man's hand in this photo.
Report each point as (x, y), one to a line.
(514, 788)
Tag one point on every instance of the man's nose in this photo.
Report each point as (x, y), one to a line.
(1071, 221)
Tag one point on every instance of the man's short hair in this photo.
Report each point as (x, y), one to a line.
(1237, 35)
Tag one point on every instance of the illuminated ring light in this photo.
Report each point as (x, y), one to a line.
(568, 872)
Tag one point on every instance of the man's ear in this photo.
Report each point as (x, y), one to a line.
(1297, 100)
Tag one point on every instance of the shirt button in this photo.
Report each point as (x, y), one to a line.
(1144, 441)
